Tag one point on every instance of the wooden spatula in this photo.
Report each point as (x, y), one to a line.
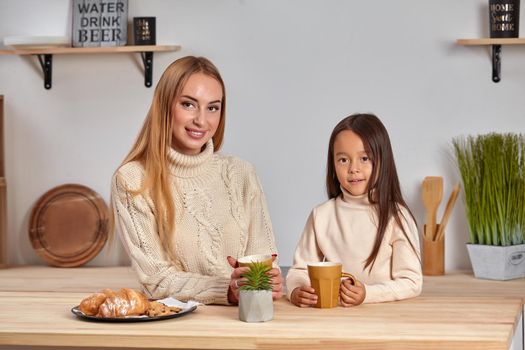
(432, 194)
(448, 211)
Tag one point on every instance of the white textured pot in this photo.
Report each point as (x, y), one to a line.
(497, 263)
(255, 305)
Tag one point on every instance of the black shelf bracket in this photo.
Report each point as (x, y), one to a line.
(47, 68)
(496, 63)
(46, 62)
(147, 59)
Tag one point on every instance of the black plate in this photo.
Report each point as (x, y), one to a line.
(80, 314)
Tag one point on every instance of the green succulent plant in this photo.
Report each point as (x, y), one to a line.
(492, 168)
(256, 278)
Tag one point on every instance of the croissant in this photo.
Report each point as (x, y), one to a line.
(90, 305)
(125, 302)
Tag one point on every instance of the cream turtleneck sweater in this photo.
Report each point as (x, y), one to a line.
(220, 211)
(344, 230)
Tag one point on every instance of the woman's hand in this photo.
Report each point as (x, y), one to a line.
(351, 295)
(303, 296)
(236, 280)
(277, 281)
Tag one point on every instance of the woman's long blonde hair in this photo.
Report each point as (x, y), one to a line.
(154, 140)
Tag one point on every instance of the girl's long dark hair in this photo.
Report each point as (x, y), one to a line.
(384, 191)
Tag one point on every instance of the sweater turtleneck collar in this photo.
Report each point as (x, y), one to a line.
(355, 201)
(185, 165)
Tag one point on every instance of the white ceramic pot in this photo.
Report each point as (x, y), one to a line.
(496, 262)
(255, 305)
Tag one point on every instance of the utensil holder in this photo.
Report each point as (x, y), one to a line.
(3, 224)
(433, 257)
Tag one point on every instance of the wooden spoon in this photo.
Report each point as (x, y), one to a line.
(432, 194)
(448, 211)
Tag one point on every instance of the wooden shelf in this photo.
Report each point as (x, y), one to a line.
(87, 50)
(45, 56)
(496, 50)
(491, 41)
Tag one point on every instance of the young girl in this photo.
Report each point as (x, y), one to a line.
(366, 225)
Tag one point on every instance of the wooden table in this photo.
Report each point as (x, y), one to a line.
(56, 279)
(436, 320)
(464, 284)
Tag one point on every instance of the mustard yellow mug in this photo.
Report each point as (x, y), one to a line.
(325, 278)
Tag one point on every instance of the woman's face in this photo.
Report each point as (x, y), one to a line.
(196, 113)
(353, 166)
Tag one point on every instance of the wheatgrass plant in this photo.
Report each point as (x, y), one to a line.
(492, 168)
(257, 277)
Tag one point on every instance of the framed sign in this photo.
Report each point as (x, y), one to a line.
(99, 23)
(144, 30)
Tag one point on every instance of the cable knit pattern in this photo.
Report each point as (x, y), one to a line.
(220, 211)
(344, 230)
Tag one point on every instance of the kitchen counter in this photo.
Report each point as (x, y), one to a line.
(56, 279)
(35, 305)
(463, 283)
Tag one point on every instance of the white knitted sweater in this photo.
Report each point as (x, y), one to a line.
(220, 211)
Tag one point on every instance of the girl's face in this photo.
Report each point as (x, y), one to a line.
(353, 166)
(196, 113)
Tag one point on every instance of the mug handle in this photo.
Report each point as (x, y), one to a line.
(350, 277)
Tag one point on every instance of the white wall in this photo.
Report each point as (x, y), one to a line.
(293, 69)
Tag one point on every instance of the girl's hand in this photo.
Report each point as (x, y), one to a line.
(303, 296)
(277, 283)
(351, 295)
(236, 280)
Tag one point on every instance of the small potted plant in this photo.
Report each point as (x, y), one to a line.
(255, 295)
(492, 168)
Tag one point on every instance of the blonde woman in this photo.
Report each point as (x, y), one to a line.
(184, 212)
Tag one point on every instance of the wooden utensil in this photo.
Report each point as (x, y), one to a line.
(432, 194)
(3, 199)
(2, 161)
(448, 211)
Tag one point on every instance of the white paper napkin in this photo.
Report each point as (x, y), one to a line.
(183, 305)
